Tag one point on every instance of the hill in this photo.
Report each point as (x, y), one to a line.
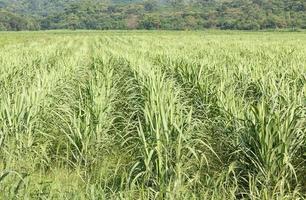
(151, 14)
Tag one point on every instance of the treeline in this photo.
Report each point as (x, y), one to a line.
(170, 14)
(12, 22)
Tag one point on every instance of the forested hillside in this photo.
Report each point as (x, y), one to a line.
(151, 14)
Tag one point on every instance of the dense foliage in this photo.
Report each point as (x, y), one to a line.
(10, 21)
(151, 14)
(153, 115)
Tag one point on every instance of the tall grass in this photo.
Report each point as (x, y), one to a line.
(164, 115)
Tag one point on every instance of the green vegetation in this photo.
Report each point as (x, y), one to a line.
(152, 14)
(152, 115)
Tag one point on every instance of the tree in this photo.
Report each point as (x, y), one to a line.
(150, 5)
(72, 22)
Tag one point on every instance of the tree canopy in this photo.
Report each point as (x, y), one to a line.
(152, 14)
